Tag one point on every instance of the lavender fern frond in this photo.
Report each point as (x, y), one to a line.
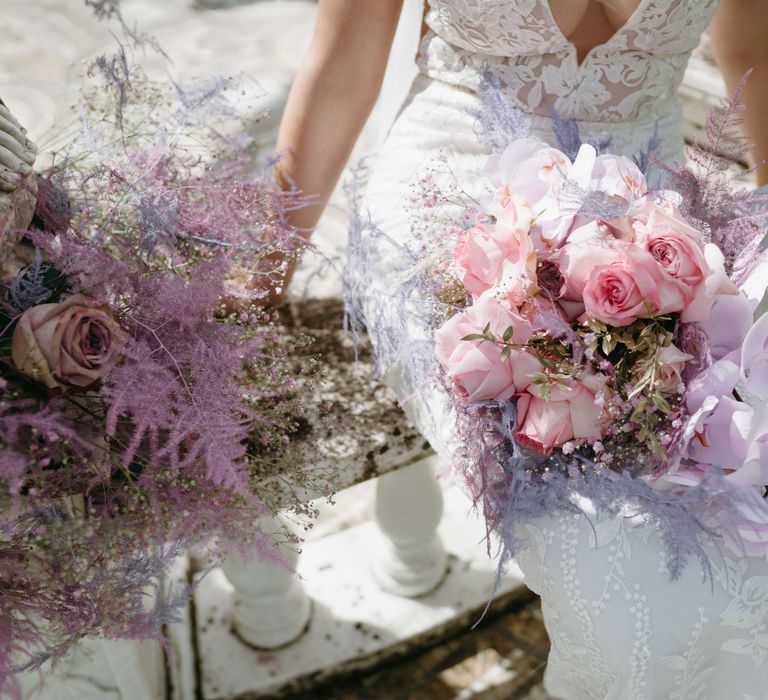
(498, 122)
(566, 133)
(30, 287)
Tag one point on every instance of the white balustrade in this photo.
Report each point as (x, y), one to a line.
(409, 505)
(270, 608)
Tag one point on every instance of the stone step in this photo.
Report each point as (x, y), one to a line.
(355, 624)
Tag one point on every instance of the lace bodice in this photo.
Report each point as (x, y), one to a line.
(635, 73)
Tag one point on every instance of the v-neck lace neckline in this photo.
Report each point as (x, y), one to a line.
(631, 20)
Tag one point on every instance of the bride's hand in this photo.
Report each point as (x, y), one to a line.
(17, 152)
(246, 288)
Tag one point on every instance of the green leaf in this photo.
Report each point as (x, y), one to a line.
(639, 412)
(661, 403)
(508, 334)
(505, 353)
(474, 336)
(657, 449)
(609, 344)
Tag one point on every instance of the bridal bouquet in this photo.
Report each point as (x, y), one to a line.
(608, 341)
(147, 401)
(578, 334)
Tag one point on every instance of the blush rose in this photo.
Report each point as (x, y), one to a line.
(619, 283)
(678, 249)
(475, 368)
(570, 412)
(492, 256)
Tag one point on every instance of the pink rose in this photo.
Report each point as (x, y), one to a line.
(66, 344)
(576, 261)
(629, 287)
(494, 256)
(678, 249)
(475, 368)
(569, 413)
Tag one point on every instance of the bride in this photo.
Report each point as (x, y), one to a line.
(619, 627)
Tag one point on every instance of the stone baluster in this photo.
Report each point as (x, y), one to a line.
(100, 669)
(270, 608)
(409, 504)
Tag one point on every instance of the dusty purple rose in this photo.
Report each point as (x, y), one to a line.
(550, 279)
(69, 344)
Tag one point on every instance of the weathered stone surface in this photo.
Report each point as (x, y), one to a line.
(365, 433)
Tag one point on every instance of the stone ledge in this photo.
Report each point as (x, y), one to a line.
(365, 434)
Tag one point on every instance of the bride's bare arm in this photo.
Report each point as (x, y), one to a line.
(739, 35)
(332, 95)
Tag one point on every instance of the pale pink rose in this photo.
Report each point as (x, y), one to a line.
(678, 248)
(672, 362)
(715, 283)
(496, 257)
(478, 258)
(570, 413)
(576, 261)
(66, 344)
(632, 286)
(475, 368)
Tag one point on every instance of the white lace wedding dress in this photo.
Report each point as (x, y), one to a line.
(619, 627)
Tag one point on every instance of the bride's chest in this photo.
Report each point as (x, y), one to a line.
(544, 26)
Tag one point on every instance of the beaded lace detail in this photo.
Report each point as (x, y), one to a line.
(635, 73)
(621, 629)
